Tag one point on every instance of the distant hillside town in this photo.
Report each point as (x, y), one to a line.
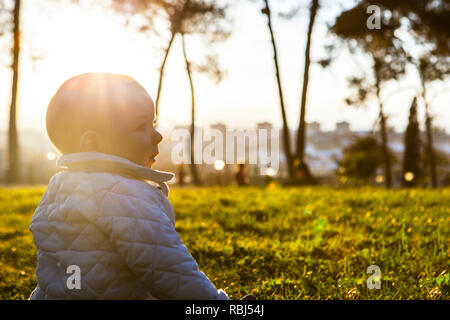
(324, 148)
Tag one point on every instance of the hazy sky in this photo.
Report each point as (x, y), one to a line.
(73, 40)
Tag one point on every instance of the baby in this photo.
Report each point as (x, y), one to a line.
(104, 229)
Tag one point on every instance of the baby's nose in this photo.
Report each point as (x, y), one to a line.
(157, 137)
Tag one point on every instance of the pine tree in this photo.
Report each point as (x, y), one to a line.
(411, 158)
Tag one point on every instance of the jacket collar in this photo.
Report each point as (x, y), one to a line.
(96, 161)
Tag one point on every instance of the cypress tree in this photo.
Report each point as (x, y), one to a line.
(411, 156)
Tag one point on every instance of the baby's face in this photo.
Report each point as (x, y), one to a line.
(133, 135)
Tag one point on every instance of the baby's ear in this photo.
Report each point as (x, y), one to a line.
(90, 142)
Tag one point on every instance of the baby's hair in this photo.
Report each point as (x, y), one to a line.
(85, 102)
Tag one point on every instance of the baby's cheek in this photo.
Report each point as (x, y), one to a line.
(145, 149)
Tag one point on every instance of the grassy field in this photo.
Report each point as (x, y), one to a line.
(282, 243)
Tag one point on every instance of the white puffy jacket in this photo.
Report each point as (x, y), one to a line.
(111, 218)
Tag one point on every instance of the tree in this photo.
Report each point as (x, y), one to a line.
(211, 68)
(430, 69)
(286, 139)
(200, 17)
(194, 173)
(10, 23)
(301, 133)
(427, 21)
(360, 161)
(388, 62)
(442, 162)
(433, 65)
(186, 17)
(411, 170)
(13, 148)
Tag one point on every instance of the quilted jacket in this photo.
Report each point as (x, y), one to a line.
(111, 218)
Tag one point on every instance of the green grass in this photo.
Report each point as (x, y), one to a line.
(282, 243)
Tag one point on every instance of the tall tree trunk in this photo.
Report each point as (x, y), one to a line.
(161, 75)
(13, 158)
(384, 142)
(384, 138)
(429, 133)
(301, 136)
(194, 172)
(286, 139)
(175, 28)
(412, 151)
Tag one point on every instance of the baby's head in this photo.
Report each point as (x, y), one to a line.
(104, 112)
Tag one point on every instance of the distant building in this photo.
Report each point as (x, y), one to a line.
(264, 125)
(342, 128)
(440, 136)
(322, 148)
(313, 128)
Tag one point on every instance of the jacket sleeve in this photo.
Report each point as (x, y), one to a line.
(147, 240)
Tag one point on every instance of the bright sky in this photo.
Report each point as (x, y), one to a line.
(73, 40)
